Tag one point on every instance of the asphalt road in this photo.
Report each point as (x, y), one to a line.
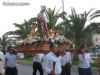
(24, 69)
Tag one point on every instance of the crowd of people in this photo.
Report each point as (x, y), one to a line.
(59, 62)
(56, 62)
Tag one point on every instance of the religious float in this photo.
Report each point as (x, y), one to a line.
(40, 40)
(36, 43)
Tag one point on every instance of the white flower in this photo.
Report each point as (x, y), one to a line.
(20, 42)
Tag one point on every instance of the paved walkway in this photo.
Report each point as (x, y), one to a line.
(25, 68)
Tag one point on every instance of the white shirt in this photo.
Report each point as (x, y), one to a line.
(1, 55)
(2, 62)
(66, 58)
(58, 68)
(49, 59)
(84, 60)
(11, 59)
(38, 57)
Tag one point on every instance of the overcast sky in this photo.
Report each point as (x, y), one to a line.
(17, 13)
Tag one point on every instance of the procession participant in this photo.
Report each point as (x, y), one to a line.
(4, 50)
(1, 62)
(51, 64)
(84, 61)
(66, 63)
(37, 63)
(42, 22)
(11, 61)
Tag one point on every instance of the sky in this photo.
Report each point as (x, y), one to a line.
(10, 14)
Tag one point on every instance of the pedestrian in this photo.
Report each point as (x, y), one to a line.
(4, 50)
(1, 62)
(66, 63)
(37, 63)
(51, 64)
(11, 62)
(84, 60)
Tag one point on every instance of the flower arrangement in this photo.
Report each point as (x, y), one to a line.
(35, 38)
(36, 42)
(32, 38)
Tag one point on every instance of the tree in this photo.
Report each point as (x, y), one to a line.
(3, 41)
(79, 22)
(75, 24)
(53, 17)
(90, 30)
(23, 29)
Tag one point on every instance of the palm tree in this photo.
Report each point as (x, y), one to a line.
(65, 26)
(53, 17)
(76, 25)
(23, 29)
(3, 41)
(33, 21)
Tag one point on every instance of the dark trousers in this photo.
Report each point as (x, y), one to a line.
(84, 71)
(11, 71)
(66, 70)
(37, 67)
(0, 73)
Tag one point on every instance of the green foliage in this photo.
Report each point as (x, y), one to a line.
(75, 26)
(23, 29)
(3, 41)
(53, 17)
(78, 23)
(72, 27)
(27, 58)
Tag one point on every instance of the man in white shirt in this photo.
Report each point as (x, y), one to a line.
(37, 63)
(51, 64)
(1, 63)
(11, 61)
(66, 63)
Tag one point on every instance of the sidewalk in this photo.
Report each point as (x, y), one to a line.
(24, 62)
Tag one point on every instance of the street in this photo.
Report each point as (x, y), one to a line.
(25, 69)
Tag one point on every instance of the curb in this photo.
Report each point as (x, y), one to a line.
(23, 62)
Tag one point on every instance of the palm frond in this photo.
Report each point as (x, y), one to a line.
(95, 14)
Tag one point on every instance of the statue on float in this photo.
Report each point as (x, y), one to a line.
(43, 20)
